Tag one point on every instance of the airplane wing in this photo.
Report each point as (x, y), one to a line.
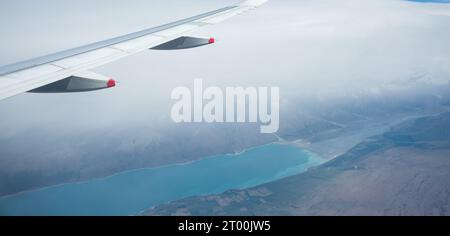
(67, 71)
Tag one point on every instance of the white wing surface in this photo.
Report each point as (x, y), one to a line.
(59, 72)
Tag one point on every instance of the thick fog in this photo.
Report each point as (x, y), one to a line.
(325, 46)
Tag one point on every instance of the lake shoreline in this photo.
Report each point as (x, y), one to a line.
(200, 177)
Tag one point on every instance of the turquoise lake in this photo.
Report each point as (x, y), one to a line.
(128, 193)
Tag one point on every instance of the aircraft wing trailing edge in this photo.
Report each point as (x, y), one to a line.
(68, 71)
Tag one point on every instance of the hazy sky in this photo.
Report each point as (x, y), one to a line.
(325, 46)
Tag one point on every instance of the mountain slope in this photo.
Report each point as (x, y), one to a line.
(405, 171)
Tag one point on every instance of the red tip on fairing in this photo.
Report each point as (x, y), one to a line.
(111, 83)
(211, 41)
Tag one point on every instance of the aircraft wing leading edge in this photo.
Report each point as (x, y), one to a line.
(68, 71)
